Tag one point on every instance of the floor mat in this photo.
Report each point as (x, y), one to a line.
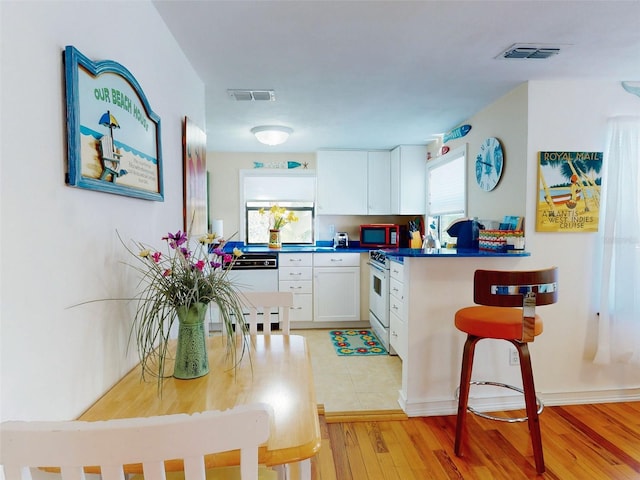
(356, 342)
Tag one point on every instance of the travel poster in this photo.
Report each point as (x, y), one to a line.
(568, 191)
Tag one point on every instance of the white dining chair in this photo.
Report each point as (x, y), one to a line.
(149, 441)
(262, 307)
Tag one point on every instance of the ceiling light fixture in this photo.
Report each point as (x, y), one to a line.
(272, 134)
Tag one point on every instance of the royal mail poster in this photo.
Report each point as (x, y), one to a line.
(568, 191)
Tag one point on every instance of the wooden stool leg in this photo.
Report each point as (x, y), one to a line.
(463, 398)
(530, 403)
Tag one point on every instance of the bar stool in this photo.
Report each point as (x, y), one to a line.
(496, 293)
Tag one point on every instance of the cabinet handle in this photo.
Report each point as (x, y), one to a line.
(394, 306)
(295, 274)
(295, 259)
(395, 289)
(295, 287)
(336, 259)
(295, 308)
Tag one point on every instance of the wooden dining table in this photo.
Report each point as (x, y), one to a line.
(276, 370)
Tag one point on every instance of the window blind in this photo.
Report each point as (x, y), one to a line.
(446, 184)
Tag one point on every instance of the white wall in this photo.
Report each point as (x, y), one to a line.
(572, 116)
(59, 244)
(505, 119)
(562, 116)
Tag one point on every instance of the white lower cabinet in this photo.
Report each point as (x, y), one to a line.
(397, 318)
(295, 274)
(336, 287)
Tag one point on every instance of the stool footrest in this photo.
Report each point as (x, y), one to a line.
(503, 419)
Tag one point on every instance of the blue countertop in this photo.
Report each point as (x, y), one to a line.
(354, 247)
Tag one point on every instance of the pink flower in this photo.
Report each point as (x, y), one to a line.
(156, 256)
(199, 265)
(166, 273)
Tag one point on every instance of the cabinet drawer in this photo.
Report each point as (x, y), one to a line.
(296, 287)
(398, 335)
(397, 271)
(396, 289)
(295, 260)
(302, 310)
(396, 306)
(336, 259)
(295, 274)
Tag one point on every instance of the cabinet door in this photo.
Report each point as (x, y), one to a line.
(398, 335)
(336, 294)
(379, 187)
(408, 180)
(342, 182)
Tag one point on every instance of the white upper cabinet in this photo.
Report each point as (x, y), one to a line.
(342, 182)
(408, 180)
(379, 188)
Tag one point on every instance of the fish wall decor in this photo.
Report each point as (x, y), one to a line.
(458, 132)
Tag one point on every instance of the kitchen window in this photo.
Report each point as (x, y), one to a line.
(446, 190)
(293, 189)
(298, 233)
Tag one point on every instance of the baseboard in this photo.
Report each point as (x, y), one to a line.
(365, 416)
(354, 325)
(430, 408)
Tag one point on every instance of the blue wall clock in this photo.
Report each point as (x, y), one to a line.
(489, 164)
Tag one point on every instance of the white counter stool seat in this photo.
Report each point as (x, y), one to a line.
(505, 310)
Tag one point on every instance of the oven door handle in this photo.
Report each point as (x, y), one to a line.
(380, 269)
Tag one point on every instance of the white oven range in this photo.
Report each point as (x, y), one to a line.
(379, 297)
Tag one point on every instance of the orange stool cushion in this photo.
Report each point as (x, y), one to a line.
(493, 322)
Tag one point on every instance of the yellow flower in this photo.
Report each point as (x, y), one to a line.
(145, 253)
(207, 239)
(237, 252)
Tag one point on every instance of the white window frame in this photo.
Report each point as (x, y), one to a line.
(275, 181)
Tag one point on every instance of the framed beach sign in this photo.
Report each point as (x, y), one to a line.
(569, 186)
(194, 141)
(113, 135)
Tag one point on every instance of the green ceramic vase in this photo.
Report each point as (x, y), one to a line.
(192, 360)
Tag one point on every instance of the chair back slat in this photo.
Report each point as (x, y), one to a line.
(148, 441)
(262, 307)
(508, 288)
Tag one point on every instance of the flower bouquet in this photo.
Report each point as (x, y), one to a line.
(279, 217)
(179, 281)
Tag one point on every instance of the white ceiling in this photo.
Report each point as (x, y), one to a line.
(376, 74)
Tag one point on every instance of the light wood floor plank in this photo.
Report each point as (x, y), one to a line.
(580, 442)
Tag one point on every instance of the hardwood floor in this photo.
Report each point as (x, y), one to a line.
(599, 441)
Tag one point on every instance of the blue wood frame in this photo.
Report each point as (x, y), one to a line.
(87, 149)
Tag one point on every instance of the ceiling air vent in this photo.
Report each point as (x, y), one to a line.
(252, 95)
(528, 50)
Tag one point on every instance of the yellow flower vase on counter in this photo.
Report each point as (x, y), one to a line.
(274, 239)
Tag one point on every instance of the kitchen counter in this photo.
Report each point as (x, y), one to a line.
(400, 253)
(395, 253)
(320, 247)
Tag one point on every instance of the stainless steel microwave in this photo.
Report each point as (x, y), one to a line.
(380, 235)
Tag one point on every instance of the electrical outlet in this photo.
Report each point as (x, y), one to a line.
(514, 358)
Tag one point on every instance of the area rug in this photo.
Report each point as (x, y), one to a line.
(356, 343)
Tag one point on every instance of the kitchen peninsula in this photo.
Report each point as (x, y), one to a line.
(434, 286)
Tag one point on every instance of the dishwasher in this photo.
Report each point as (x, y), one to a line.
(252, 272)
